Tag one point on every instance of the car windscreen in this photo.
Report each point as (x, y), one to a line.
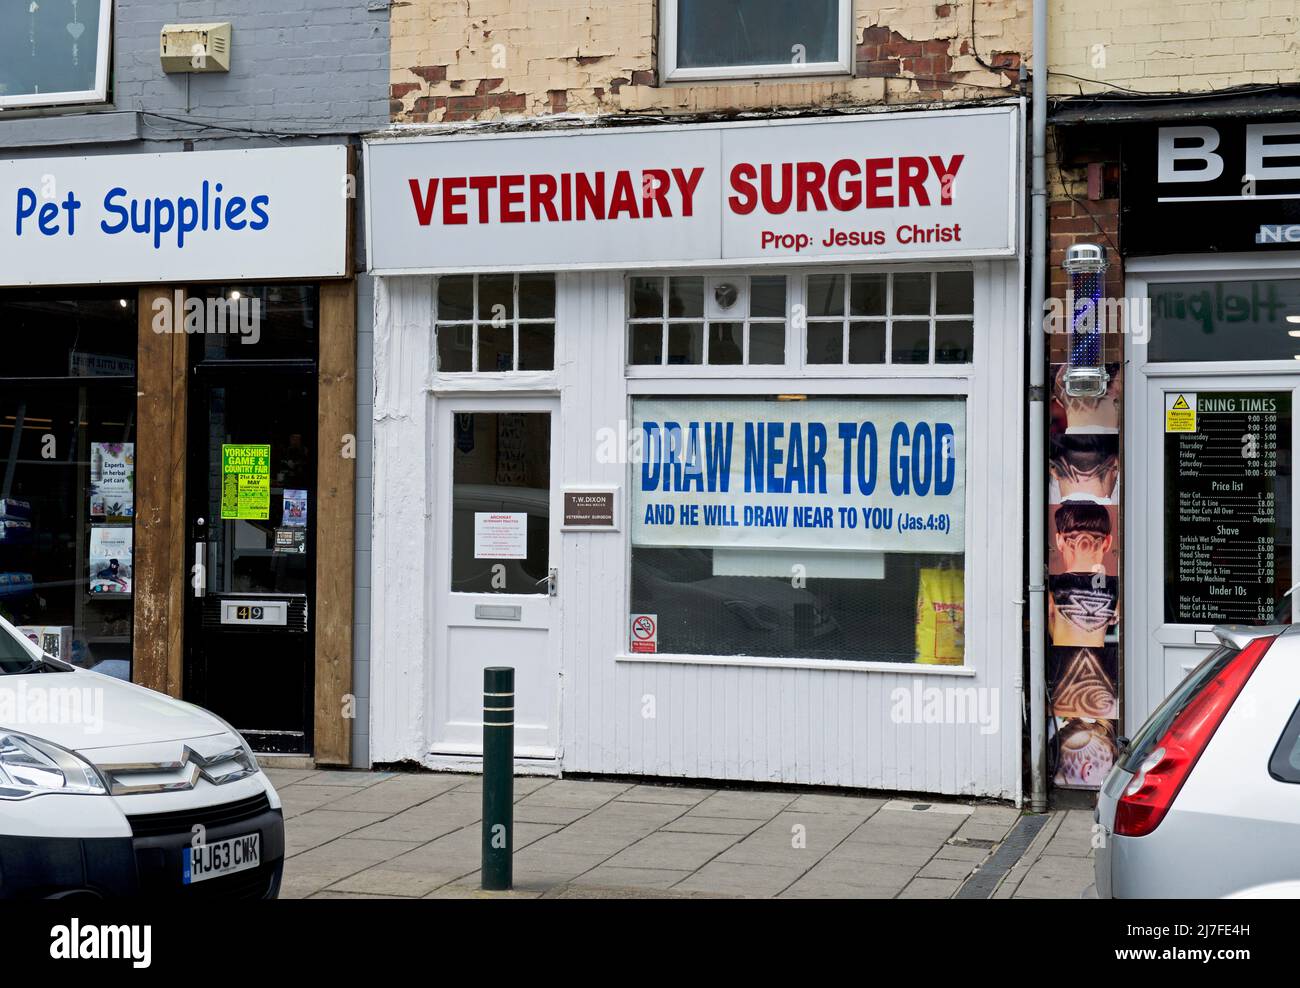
(13, 656)
(1174, 704)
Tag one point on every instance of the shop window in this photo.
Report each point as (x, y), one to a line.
(720, 39)
(67, 473)
(1225, 320)
(495, 323)
(829, 528)
(891, 318)
(683, 320)
(54, 52)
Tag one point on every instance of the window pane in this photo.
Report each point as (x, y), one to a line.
(767, 343)
(955, 293)
(686, 343)
(646, 343)
(454, 354)
(954, 341)
(501, 476)
(69, 332)
(496, 298)
(825, 343)
(713, 33)
(496, 348)
(39, 52)
(911, 343)
(1222, 320)
(911, 295)
(537, 346)
(826, 295)
(767, 296)
(685, 297)
(455, 297)
(867, 343)
(867, 294)
(537, 296)
(726, 343)
(647, 298)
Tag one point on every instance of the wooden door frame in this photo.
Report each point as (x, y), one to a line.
(162, 572)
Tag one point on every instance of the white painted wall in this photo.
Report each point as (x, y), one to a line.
(765, 721)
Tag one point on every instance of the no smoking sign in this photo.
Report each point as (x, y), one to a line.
(645, 633)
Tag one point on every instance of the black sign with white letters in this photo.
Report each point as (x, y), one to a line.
(1211, 185)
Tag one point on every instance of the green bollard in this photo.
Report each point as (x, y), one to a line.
(498, 778)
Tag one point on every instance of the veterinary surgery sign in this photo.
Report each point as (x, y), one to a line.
(882, 474)
(177, 217)
(914, 185)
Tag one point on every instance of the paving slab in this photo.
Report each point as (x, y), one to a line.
(679, 795)
(676, 851)
(318, 827)
(742, 880)
(608, 876)
(343, 777)
(298, 799)
(930, 888)
(749, 805)
(691, 824)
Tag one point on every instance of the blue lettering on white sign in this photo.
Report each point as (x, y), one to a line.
(161, 218)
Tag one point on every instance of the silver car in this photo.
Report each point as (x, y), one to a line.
(1205, 800)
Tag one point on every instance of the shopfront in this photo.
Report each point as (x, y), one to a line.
(714, 433)
(175, 410)
(1211, 230)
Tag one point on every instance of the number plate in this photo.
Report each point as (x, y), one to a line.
(223, 857)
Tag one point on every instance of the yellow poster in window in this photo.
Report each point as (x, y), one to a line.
(941, 617)
(245, 482)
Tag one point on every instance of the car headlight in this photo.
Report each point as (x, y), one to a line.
(33, 767)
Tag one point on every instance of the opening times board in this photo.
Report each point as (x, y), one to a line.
(1227, 506)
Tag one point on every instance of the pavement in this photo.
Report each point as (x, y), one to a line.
(413, 835)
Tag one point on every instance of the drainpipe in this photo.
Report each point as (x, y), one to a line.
(1037, 418)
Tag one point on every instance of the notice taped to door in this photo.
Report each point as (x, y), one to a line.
(245, 482)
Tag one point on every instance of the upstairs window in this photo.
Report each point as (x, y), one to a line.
(729, 39)
(54, 52)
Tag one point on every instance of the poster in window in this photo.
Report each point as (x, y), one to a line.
(112, 482)
(111, 568)
(872, 474)
(294, 510)
(245, 482)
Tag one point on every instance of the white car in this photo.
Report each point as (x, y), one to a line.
(109, 789)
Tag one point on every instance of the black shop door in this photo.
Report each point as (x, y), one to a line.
(249, 636)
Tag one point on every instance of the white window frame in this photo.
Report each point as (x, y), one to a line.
(670, 72)
(796, 336)
(97, 95)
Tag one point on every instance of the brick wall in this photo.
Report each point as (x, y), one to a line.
(460, 60)
(1173, 45)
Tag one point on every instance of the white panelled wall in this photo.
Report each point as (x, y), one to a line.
(822, 723)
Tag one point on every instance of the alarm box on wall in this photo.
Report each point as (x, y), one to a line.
(196, 47)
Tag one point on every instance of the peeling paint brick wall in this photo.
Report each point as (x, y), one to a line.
(462, 60)
(1172, 45)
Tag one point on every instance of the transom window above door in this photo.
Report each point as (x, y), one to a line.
(729, 39)
(495, 323)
